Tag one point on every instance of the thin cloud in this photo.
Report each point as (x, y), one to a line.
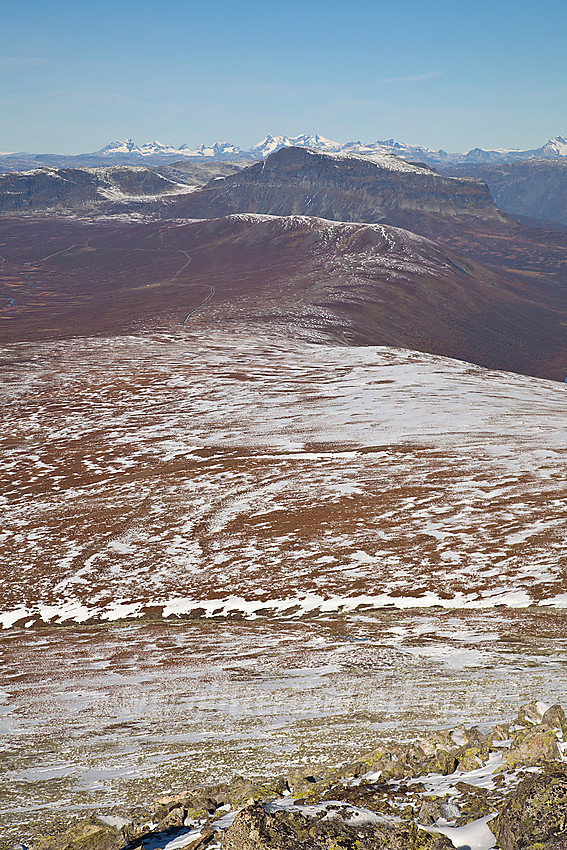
(415, 79)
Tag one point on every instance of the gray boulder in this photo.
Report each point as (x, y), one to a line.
(535, 813)
(256, 829)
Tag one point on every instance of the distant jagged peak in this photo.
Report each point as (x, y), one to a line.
(159, 149)
(554, 148)
(216, 149)
(118, 146)
(557, 146)
(271, 144)
(320, 143)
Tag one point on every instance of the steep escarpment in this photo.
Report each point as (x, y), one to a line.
(298, 181)
(457, 212)
(533, 187)
(77, 188)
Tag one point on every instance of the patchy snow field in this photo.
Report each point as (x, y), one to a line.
(240, 474)
(353, 520)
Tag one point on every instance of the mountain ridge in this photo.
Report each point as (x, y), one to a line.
(156, 153)
(346, 282)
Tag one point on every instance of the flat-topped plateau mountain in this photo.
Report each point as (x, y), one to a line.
(458, 212)
(298, 181)
(342, 187)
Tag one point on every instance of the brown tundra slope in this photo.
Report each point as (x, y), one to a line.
(347, 282)
(456, 211)
(501, 301)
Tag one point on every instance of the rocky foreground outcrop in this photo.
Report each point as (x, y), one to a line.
(255, 829)
(536, 813)
(477, 787)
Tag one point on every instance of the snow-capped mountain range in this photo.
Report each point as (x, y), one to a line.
(556, 147)
(220, 150)
(127, 152)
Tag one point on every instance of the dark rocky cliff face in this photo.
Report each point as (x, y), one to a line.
(535, 188)
(69, 188)
(296, 181)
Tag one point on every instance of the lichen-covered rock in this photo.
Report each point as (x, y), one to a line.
(256, 829)
(198, 803)
(303, 780)
(473, 803)
(393, 769)
(475, 738)
(499, 733)
(201, 840)
(140, 824)
(538, 744)
(378, 797)
(393, 761)
(429, 812)
(240, 790)
(531, 713)
(432, 742)
(555, 718)
(171, 811)
(174, 818)
(534, 814)
(372, 760)
(432, 755)
(470, 758)
(345, 771)
(391, 766)
(443, 762)
(89, 834)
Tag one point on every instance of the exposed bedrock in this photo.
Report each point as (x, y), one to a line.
(504, 786)
(533, 187)
(346, 188)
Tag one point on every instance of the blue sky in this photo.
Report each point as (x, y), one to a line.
(444, 74)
